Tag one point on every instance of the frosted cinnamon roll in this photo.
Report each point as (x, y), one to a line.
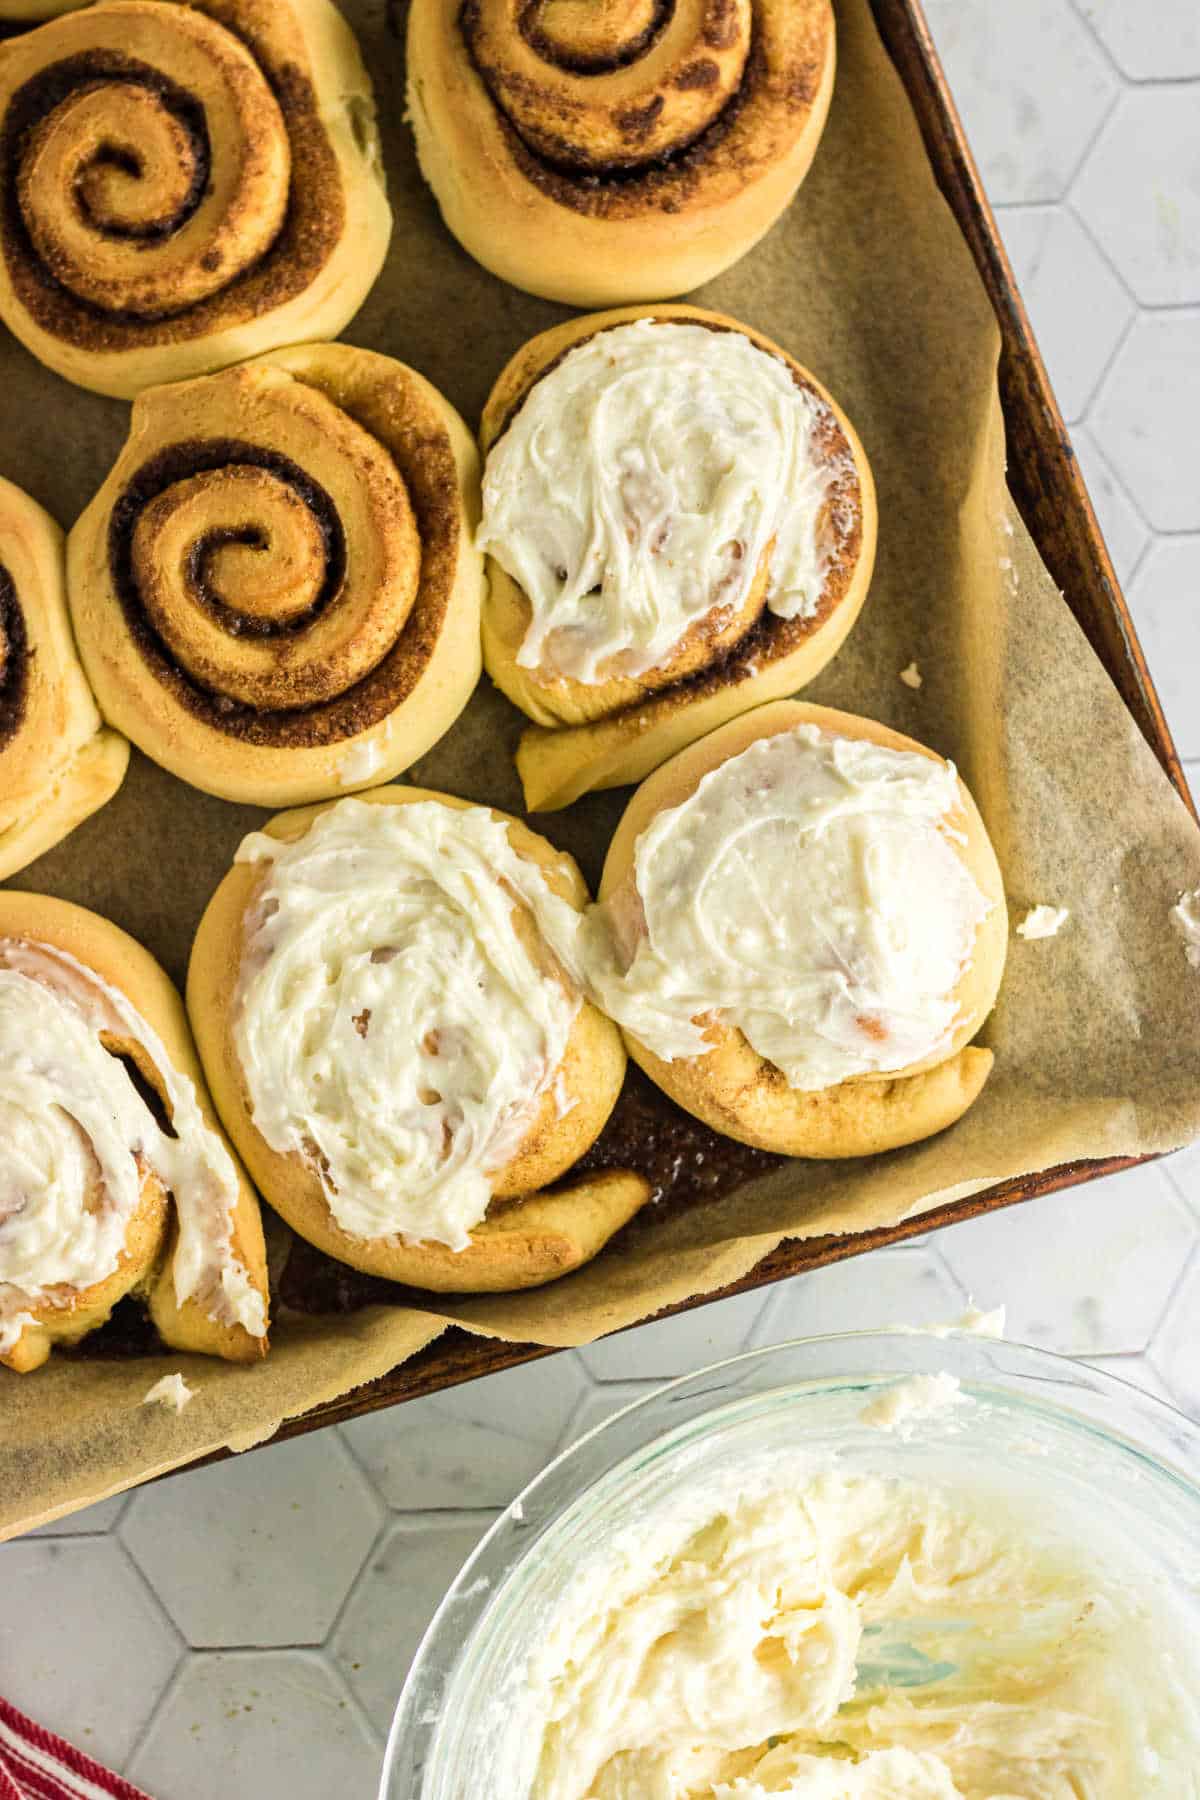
(276, 592)
(57, 762)
(185, 186)
(382, 997)
(801, 927)
(115, 1177)
(680, 525)
(599, 151)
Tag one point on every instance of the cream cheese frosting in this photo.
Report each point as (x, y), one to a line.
(72, 1130)
(826, 1635)
(912, 1401)
(1185, 917)
(1043, 922)
(808, 893)
(360, 762)
(400, 1013)
(171, 1392)
(638, 487)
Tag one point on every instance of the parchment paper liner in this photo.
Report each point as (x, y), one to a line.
(1097, 1034)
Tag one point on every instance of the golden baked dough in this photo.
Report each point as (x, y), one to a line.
(529, 1236)
(618, 730)
(57, 762)
(603, 151)
(185, 186)
(276, 592)
(732, 1088)
(33, 923)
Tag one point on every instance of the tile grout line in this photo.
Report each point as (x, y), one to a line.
(1094, 139)
(1191, 1261)
(172, 1682)
(1071, 206)
(159, 1604)
(366, 1722)
(1090, 424)
(1099, 43)
(386, 1527)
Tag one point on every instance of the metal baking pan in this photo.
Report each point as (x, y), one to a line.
(1046, 484)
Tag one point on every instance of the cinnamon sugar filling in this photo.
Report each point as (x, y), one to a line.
(14, 660)
(314, 716)
(312, 224)
(645, 162)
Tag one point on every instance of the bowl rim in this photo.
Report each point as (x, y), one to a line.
(1055, 1365)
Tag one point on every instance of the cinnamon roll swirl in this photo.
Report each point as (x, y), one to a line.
(382, 997)
(801, 928)
(183, 186)
(601, 151)
(276, 592)
(114, 1175)
(680, 525)
(57, 762)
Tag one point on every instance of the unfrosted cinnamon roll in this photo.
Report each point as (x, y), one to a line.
(185, 185)
(276, 592)
(396, 1045)
(599, 151)
(680, 524)
(57, 762)
(801, 928)
(114, 1175)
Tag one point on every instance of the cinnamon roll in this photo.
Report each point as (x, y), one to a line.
(185, 186)
(680, 525)
(802, 926)
(114, 1175)
(57, 762)
(276, 592)
(600, 151)
(381, 994)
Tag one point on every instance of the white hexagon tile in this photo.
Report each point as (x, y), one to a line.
(266, 1608)
(473, 1446)
(222, 1548)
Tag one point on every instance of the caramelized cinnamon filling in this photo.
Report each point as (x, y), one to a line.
(100, 150)
(704, 60)
(167, 485)
(144, 1079)
(230, 563)
(592, 40)
(162, 479)
(615, 108)
(51, 96)
(687, 1164)
(14, 660)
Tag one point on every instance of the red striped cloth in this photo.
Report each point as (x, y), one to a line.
(36, 1765)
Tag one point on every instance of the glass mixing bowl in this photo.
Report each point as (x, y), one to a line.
(1074, 1440)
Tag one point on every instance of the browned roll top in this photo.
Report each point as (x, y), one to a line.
(610, 102)
(231, 566)
(169, 173)
(276, 589)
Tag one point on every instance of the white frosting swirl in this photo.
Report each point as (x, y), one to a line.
(400, 1014)
(798, 1634)
(75, 1134)
(638, 487)
(809, 894)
